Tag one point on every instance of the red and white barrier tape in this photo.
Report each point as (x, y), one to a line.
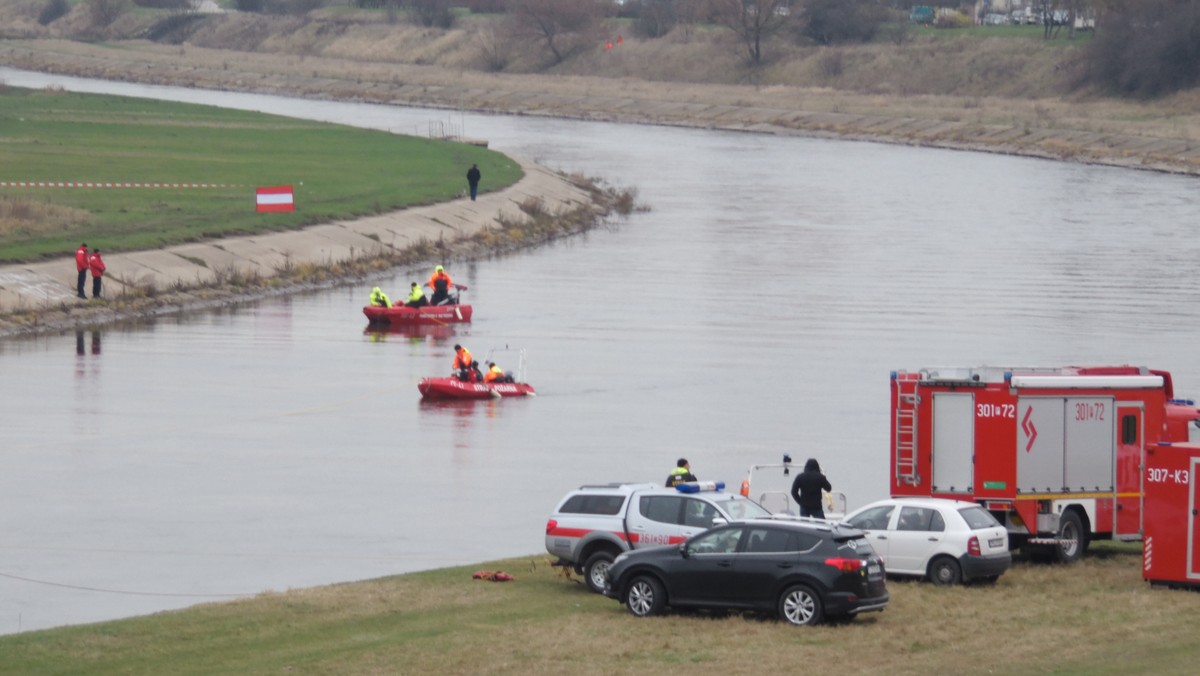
(97, 184)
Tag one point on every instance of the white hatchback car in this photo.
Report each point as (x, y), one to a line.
(947, 541)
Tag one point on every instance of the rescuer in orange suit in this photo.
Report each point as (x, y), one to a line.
(462, 363)
(440, 282)
(494, 373)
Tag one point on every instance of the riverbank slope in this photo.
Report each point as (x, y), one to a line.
(40, 297)
(1161, 135)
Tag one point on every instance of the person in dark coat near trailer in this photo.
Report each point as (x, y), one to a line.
(806, 489)
(97, 266)
(473, 177)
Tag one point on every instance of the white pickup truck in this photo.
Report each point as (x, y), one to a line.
(593, 524)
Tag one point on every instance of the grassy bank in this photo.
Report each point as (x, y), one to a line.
(338, 172)
(1096, 617)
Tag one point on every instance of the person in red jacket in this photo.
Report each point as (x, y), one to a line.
(81, 266)
(97, 265)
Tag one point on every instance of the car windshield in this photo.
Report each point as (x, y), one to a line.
(978, 517)
(743, 509)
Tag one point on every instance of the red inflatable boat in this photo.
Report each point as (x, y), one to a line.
(429, 314)
(512, 385)
(453, 388)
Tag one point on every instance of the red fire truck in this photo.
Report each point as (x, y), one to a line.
(1055, 454)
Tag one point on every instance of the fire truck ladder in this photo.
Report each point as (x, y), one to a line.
(906, 431)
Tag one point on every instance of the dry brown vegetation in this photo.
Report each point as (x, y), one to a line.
(32, 216)
(1001, 94)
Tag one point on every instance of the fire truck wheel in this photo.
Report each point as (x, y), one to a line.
(1073, 537)
(944, 571)
(595, 570)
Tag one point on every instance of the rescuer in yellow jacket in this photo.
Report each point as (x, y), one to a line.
(681, 473)
(416, 297)
(378, 297)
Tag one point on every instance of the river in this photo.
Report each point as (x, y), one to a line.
(757, 308)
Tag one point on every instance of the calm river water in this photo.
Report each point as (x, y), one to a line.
(756, 309)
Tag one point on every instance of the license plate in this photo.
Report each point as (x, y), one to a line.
(874, 569)
(996, 542)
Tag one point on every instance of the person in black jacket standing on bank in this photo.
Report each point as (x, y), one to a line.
(807, 487)
(473, 177)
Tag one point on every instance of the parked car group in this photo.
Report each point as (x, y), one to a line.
(697, 546)
(946, 541)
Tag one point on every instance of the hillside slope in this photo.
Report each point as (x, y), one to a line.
(1008, 91)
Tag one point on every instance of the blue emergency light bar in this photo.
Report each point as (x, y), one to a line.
(700, 486)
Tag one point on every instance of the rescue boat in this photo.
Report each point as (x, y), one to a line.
(513, 385)
(429, 314)
(453, 388)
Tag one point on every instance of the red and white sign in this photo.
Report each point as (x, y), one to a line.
(276, 198)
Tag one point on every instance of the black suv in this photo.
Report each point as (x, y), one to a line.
(805, 570)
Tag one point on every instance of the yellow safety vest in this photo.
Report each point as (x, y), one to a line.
(378, 297)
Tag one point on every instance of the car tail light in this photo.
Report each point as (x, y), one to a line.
(845, 565)
(552, 524)
(973, 546)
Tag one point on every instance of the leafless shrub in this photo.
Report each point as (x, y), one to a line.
(103, 12)
(496, 47)
(54, 9)
(754, 22)
(563, 28)
(831, 62)
(431, 13)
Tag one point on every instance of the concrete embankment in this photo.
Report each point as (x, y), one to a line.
(41, 296)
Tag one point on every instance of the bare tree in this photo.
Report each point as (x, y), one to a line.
(496, 47)
(562, 26)
(656, 18)
(693, 13)
(1076, 10)
(104, 12)
(1050, 24)
(1146, 48)
(432, 12)
(753, 21)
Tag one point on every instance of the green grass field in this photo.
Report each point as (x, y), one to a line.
(1094, 617)
(338, 172)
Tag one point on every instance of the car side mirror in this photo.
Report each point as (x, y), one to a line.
(720, 521)
(683, 550)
